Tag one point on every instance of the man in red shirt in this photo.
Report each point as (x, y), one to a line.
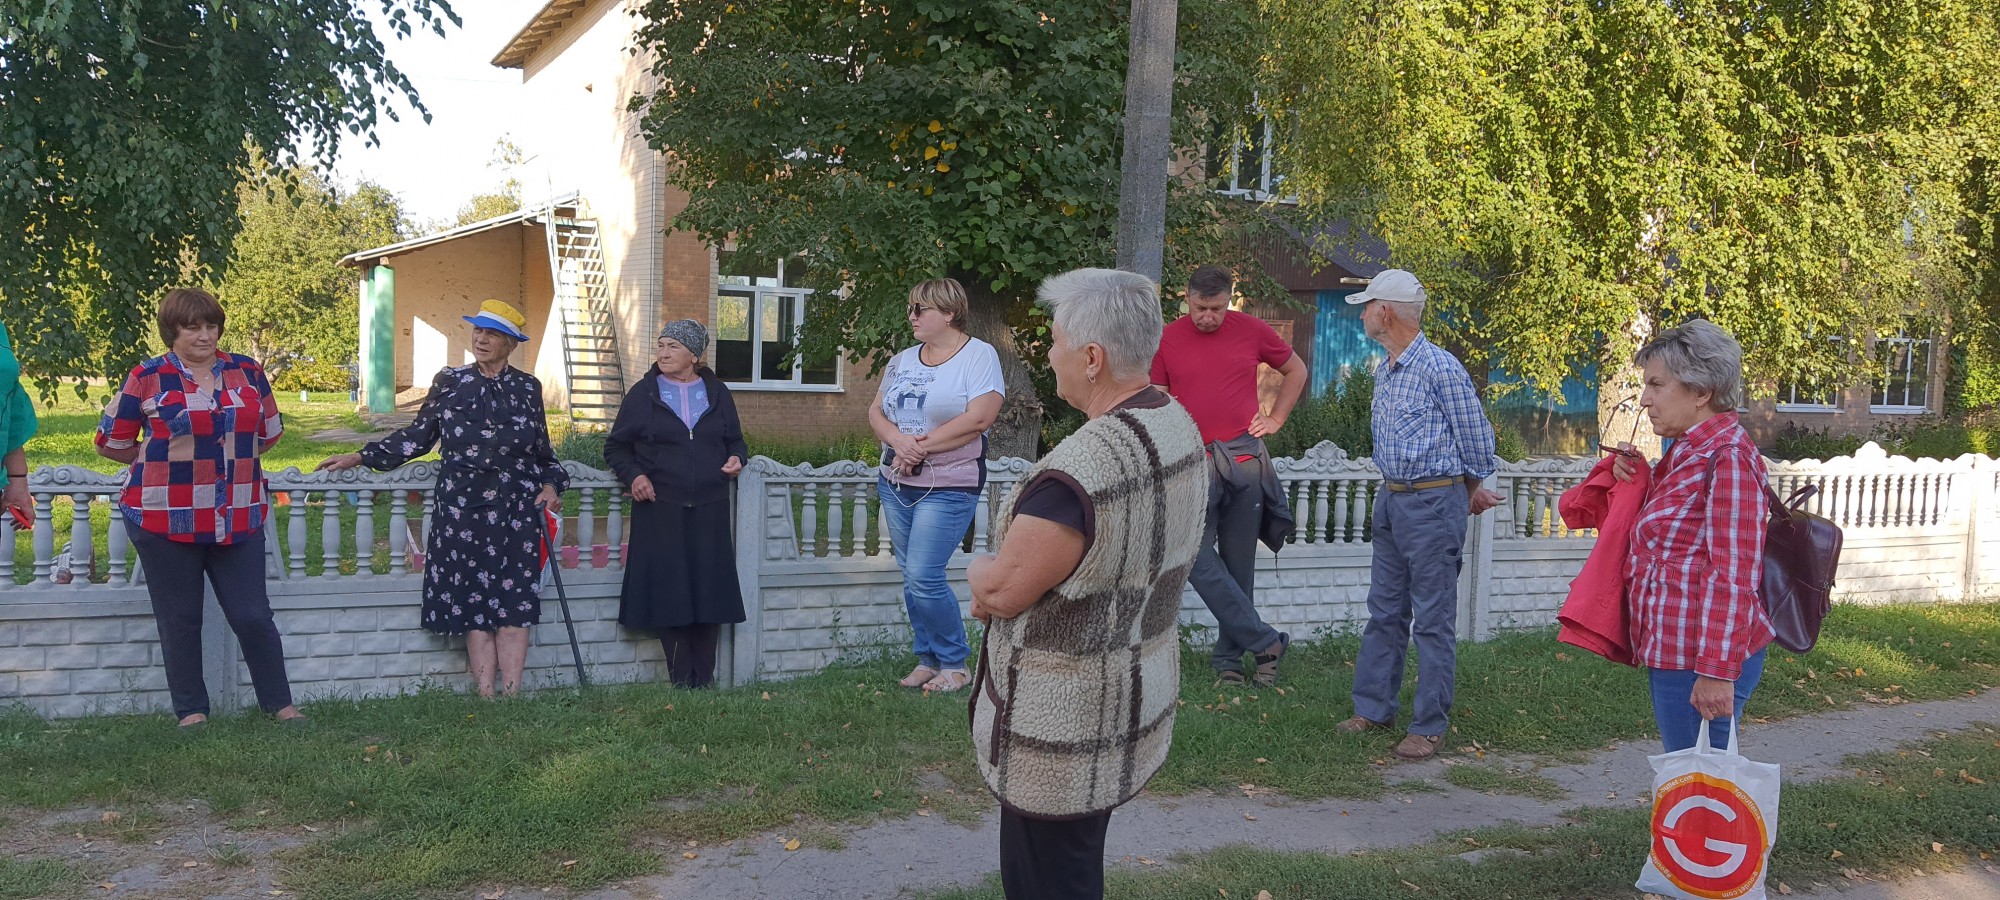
(1208, 361)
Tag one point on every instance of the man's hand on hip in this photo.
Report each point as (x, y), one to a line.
(1262, 426)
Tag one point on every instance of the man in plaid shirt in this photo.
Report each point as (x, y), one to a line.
(1434, 447)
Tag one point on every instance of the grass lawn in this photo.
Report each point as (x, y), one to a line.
(437, 791)
(1903, 813)
(68, 425)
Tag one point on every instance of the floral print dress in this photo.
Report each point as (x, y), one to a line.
(483, 563)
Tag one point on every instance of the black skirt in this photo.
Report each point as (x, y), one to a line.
(681, 569)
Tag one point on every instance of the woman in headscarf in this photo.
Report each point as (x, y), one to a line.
(675, 446)
(499, 473)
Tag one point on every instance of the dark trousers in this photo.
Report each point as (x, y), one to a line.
(1042, 860)
(690, 653)
(1224, 573)
(174, 572)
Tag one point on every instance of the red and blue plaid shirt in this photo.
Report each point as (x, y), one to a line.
(198, 478)
(1697, 554)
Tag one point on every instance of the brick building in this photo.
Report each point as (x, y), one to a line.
(593, 261)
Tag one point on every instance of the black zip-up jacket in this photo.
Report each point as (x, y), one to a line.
(648, 438)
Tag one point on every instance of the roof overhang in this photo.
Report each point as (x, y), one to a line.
(528, 215)
(551, 19)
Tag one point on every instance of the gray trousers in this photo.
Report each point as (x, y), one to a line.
(1224, 571)
(1413, 590)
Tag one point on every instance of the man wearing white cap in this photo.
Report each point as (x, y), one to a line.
(1434, 446)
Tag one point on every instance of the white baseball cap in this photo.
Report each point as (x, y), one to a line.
(1392, 284)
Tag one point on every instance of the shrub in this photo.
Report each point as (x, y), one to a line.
(1806, 443)
(1934, 437)
(583, 445)
(1508, 442)
(1340, 415)
(793, 451)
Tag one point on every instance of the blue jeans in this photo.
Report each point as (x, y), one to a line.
(1675, 713)
(1413, 591)
(925, 527)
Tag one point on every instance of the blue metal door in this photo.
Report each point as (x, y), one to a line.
(1339, 343)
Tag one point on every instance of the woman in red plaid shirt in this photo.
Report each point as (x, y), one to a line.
(193, 425)
(1698, 545)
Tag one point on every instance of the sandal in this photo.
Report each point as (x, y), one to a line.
(918, 677)
(1267, 663)
(948, 680)
(1229, 678)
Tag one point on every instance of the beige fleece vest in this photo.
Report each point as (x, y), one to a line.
(1073, 709)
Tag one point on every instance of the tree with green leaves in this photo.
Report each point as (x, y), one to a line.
(1571, 175)
(291, 304)
(884, 143)
(125, 129)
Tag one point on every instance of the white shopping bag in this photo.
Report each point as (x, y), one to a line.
(1715, 818)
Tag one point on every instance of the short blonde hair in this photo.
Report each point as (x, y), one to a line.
(945, 295)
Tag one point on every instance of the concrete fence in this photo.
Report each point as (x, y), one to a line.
(77, 635)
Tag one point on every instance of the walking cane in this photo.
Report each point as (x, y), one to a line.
(562, 597)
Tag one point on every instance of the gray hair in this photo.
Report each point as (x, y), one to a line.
(1702, 356)
(1114, 309)
(1408, 311)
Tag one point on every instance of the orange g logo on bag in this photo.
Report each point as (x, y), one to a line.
(1708, 837)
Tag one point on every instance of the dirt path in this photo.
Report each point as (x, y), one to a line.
(182, 851)
(883, 860)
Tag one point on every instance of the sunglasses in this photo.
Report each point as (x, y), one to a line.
(918, 309)
(1603, 447)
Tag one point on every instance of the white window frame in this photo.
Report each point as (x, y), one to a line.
(759, 295)
(1258, 186)
(1788, 394)
(1877, 394)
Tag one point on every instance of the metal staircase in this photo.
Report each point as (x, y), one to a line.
(589, 331)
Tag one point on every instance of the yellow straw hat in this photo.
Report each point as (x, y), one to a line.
(501, 318)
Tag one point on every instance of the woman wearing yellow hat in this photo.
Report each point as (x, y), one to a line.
(498, 468)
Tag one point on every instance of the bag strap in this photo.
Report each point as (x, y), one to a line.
(1704, 747)
(1778, 507)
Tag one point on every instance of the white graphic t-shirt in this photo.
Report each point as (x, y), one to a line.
(919, 398)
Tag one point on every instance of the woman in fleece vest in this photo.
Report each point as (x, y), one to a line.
(1073, 707)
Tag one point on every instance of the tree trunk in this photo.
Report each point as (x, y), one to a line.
(1018, 430)
(1619, 417)
(1149, 91)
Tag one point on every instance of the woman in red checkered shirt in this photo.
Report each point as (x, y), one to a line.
(1698, 545)
(193, 425)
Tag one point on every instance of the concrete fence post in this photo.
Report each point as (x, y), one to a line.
(744, 642)
(219, 656)
(1984, 494)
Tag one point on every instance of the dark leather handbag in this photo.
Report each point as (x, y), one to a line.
(1801, 552)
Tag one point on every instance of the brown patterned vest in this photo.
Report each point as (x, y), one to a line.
(1073, 708)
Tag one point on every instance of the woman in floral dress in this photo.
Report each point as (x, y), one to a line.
(498, 472)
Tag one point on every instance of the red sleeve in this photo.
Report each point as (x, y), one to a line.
(1271, 349)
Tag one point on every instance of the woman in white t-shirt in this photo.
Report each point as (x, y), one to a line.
(937, 400)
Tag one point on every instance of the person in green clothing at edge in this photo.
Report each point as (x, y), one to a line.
(17, 425)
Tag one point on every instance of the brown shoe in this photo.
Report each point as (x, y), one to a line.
(1359, 724)
(1419, 746)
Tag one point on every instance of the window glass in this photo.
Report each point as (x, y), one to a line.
(732, 335)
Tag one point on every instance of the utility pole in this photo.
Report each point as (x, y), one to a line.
(1149, 93)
